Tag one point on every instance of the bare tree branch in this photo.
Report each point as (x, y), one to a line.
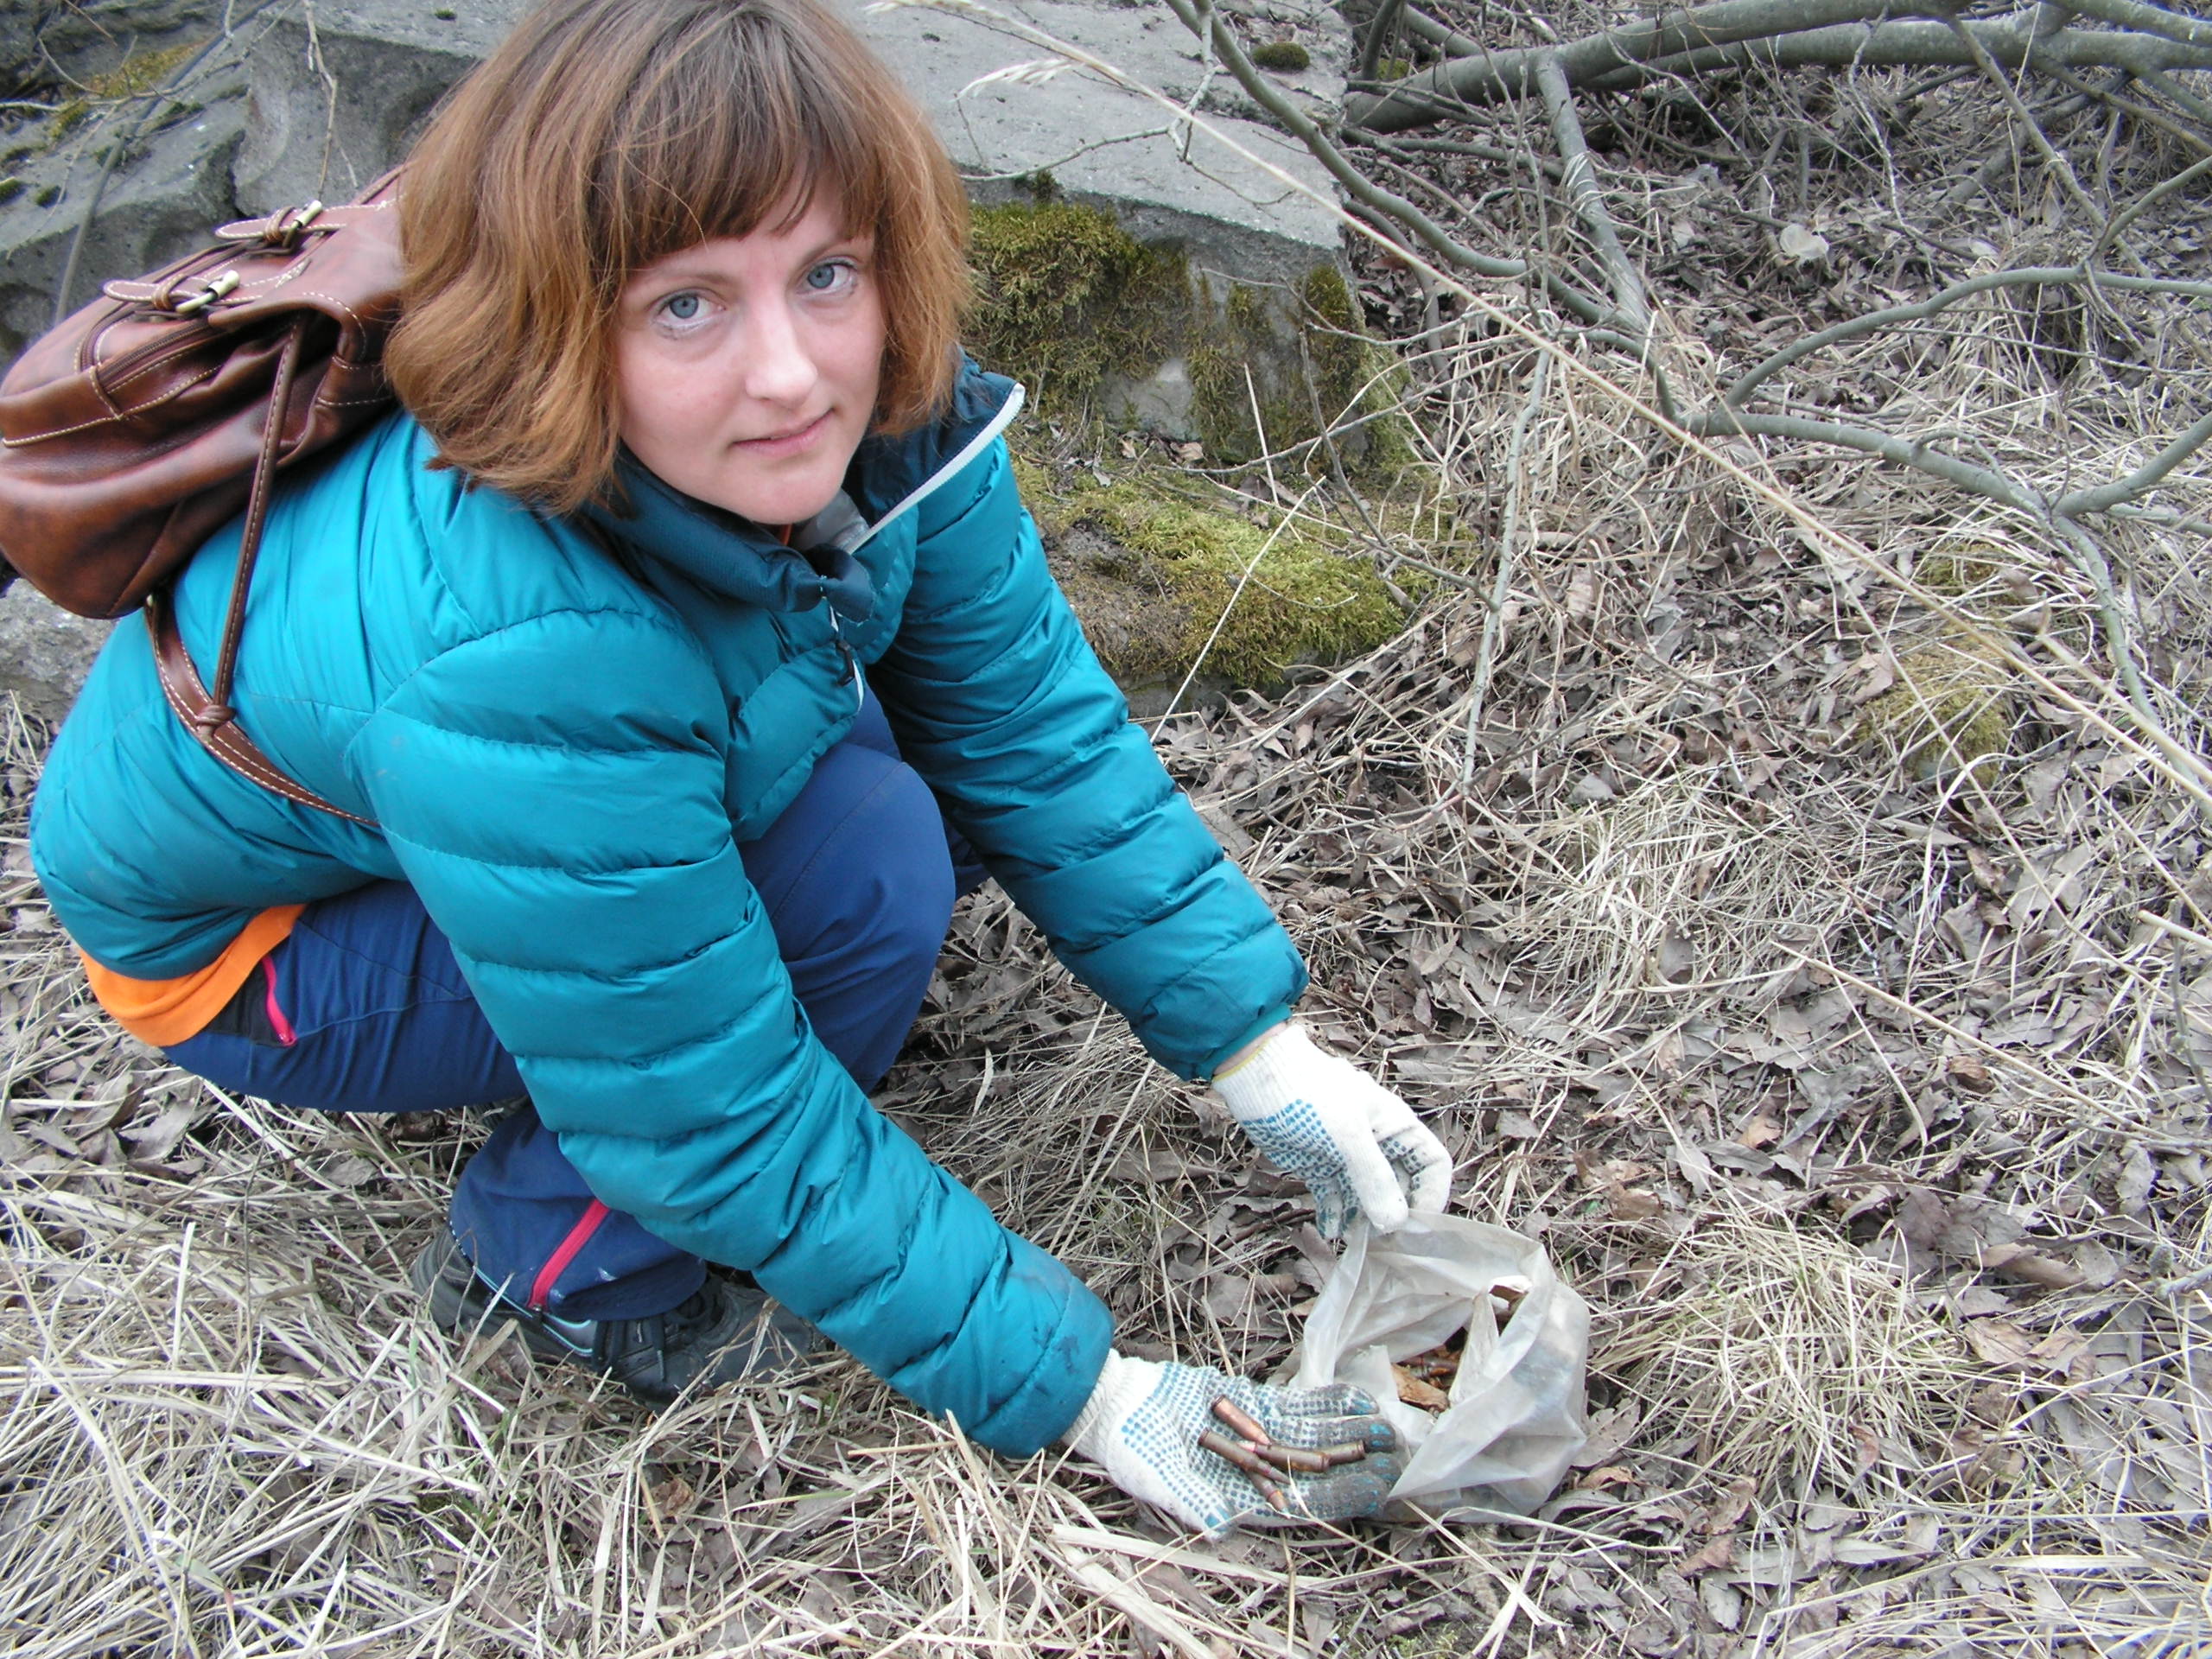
(1628, 327)
(2087, 555)
(2026, 121)
(1495, 77)
(1685, 31)
(2164, 518)
(2120, 646)
(1581, 183)
(1217, 35)
(2127, 106)
(2150, 19)
(1453, 147)
(2136, 483)
(1740, 390)
(2175, 94)
(1727, 421)
(1377, 34)
(2148, 200)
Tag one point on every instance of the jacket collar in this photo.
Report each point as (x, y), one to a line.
(889, 477)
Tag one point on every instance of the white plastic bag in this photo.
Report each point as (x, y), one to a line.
(1515, 1414)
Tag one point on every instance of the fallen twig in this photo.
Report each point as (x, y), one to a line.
(2026, 121)
(1739, 390)
(1501, 583)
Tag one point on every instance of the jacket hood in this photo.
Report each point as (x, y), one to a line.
(889, 476)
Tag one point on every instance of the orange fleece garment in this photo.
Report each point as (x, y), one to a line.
(165, 1012)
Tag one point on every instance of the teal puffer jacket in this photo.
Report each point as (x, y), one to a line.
(562, 730)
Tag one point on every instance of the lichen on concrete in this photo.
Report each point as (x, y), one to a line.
(142, 71)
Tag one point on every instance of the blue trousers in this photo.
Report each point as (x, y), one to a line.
(363, 1010)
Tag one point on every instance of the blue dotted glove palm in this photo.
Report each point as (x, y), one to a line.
(1357, 1145)
(1144, 1421)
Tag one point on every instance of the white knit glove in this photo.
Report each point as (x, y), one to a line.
(1355, 1143)
(1144, 1419)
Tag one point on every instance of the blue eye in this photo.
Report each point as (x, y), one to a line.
(828, 274)
(681, 307)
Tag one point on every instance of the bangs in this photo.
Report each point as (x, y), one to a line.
(738, 125)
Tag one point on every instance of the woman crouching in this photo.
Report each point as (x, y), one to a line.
(681, 649)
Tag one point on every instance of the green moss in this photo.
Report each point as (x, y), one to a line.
(1393, 68)
(1069, 297)
(1287, 56)
(10, 189)
(1951, 706)
(1351, 371)
(1956, 571)
(46, 195)
(1035, 483)
(1237, 417)
(1068, 301)
(139, 72)
(1303, 601)
(1330, 366)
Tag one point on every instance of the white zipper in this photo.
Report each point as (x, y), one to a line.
(968, 451)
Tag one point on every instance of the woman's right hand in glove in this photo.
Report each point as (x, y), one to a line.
(1143, 1422)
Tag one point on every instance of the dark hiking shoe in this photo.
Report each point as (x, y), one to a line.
(721, 1332)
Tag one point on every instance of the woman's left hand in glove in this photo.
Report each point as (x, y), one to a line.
(1354, 1142)
(1273, 1456)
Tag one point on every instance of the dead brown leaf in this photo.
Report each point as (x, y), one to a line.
(1418, 1392)
(1715, 1554)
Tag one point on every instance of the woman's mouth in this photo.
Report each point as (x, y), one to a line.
(788, 442)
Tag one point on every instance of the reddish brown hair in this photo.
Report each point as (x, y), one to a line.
(604, 135)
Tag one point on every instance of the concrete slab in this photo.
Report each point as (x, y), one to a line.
(337, 96)
(336, 99)
(1110, 147)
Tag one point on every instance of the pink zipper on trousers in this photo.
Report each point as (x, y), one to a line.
(283, 1026)
(579, 1235)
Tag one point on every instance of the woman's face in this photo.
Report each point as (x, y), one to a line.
(747, 366)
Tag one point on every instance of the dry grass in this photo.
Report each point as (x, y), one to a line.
(1868, 1110)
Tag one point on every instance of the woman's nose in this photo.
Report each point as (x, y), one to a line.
(778, 368)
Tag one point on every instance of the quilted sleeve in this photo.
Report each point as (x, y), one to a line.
(997, 699)
(552, 788)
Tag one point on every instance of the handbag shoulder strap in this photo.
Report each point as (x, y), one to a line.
(210, 717)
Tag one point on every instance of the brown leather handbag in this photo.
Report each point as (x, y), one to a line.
(143, 423)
